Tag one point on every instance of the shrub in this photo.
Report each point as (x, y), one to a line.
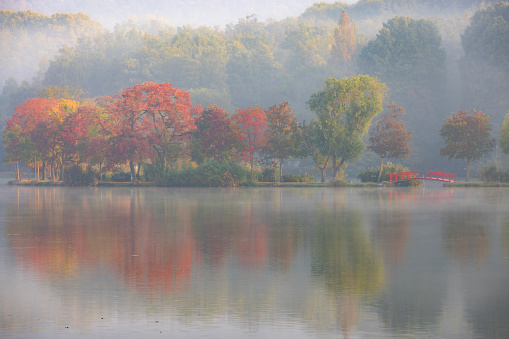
(267, 175)
(492, 173)
(337, 183)
(215, 174)
(120, 177)
(298, 177)
(154, 173)
(76, 176)
(371, 174)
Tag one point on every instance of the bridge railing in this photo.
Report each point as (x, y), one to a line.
(429, 175)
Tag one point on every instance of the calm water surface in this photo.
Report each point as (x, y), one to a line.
(285, 263)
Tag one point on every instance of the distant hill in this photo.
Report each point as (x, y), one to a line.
(29, 39)
(385, 9)
(370, 14)
(177, 12)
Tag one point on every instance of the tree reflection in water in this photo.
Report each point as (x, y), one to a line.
(322, 260)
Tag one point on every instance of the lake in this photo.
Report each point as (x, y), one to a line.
(254, 262)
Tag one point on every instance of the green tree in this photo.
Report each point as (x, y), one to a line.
(13, 146)
(466, 137)
(310, 146)
(504, 135)
(408, 56)
(345, 109)
(389, 138)
(484, 67)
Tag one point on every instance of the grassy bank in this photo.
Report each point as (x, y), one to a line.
(476, 184)
(150, 184)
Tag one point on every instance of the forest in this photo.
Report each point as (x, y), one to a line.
(433, 57)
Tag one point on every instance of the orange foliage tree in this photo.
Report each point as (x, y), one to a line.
(49, 130)
(251, 122)
(345, 44)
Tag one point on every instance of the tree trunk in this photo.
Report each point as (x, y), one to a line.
(335, 168)
(251, 169)
(133, 174)
(281, 170)
(381, 168)
(323, 174)
(468, 170)
(138, 171)
(100, 171)
(17, 170)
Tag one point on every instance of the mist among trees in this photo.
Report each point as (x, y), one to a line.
(435, 58)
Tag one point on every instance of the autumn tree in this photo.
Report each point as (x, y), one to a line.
(173, 117)
(466, 136)
(389, 138)
(39, 120)
(130, 141)
(345, 109)
(282, 134)
(152, 121)
(345, 45)
(216, 136)
(251, 122)
(95, 146)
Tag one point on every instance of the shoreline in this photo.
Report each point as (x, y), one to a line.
(50, 183)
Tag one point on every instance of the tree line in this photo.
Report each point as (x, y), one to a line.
(431, 66)
(157, 125)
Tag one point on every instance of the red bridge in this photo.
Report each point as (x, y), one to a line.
(423, 175)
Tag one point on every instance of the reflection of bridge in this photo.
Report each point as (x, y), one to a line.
(419, 197)
(423, 175)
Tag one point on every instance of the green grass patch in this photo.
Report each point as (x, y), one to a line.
(476, 184)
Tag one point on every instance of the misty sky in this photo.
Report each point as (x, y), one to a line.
(175, 12)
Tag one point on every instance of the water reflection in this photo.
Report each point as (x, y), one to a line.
(465, 235)
(299, 262)
(391, 228)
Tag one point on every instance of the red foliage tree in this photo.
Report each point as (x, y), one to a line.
(173, 117)
(152, 121)
(95, 147)
(216, 137)
(251, 122)
(466, 136)
(389, 138)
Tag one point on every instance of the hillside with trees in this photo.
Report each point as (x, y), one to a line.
(29, 40)
(435, 57)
